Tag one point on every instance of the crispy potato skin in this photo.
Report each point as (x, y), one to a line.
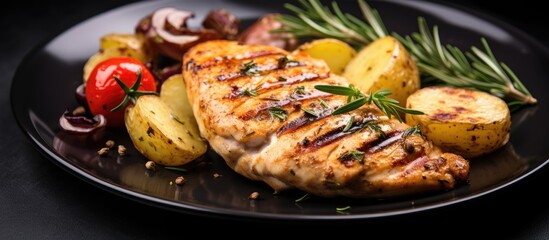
(384, 64)
(467, 122)
(160, 134)
(114, 45)
(337, 54)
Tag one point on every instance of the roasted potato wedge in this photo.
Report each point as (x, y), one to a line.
(174, 93)
(335, 53)
(384, 64)
(161, 135)
(463, 121)
(113, 45)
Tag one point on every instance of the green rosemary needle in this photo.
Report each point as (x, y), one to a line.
(277, 112)
(438, 63)
(355, 99)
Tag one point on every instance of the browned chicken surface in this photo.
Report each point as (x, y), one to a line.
(257, 107)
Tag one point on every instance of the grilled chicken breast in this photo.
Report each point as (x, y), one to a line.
(257, 107)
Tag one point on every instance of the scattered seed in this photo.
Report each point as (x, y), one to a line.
(79, 111)
(109, 144)
(180, 180)
(103, 152)
(150, 165)
(254, 196)
(122, 150)
(217, 175)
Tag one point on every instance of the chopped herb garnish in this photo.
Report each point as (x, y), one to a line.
(250, 68)
(176, 169)
(270, 99)
(277, 112)
(177, 119)
(310, 112)
(249, 92)
(343, 209)
(299, 90)
(285, 62)
(374, 126)
(353, 155)
(323, 103)
(412, 130)
(282, 79)
(303, 198)
(349, 124)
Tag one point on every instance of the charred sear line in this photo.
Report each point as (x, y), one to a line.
(247, 70)
(302, 121)
(337, 133)
(251, 68)
(381, 142)
(284, 62)
(348, 158)
(222, 60)
(323, 140)
(278, 104)
(409, 158)
(304, 77)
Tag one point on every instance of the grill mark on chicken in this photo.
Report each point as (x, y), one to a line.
(261, 109)
(223, 60)
(336, 134)
(302, 121)
(304, 77)
(409, 158)
(266, 150)
(380, 143)
(265, 87)
(262, 69)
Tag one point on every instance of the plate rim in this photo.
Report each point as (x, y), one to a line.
(38, 143)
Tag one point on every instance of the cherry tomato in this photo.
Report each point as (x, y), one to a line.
(104, 93)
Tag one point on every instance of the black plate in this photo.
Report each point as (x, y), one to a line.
(44, 87)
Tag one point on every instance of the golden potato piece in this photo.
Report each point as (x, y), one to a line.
(384, 64)
(463, 121)
(174, 93)
(161, 135)
(114, 45)
(335, 53)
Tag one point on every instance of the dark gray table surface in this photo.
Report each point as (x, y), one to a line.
(39, 200)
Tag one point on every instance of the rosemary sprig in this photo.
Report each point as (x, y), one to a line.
(445, 64)
(448, 65)
(355, 99)
(315, 20)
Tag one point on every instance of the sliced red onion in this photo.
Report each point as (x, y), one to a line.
(81, 124)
